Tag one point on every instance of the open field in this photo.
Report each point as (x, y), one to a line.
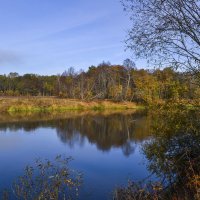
(51, 104)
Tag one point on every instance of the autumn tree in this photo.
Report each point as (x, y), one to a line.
(167, 31)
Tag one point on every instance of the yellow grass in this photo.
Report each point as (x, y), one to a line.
(50, 104)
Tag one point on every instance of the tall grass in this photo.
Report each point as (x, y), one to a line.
(39, 104)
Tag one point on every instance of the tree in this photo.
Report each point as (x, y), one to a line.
(173, 153)
(167, 31)
(129, 65)
(13, 75)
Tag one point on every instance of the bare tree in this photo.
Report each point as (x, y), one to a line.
(129, 65)
(166, 31)
(81, 83)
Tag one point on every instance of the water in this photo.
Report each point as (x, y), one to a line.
(106, 147)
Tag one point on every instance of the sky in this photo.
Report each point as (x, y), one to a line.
(49, 36)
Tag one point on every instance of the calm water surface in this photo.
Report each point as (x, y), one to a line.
(106, 147)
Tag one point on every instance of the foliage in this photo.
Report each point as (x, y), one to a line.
(173, 156)
(139, 191)
(113, 82)
(46, 180)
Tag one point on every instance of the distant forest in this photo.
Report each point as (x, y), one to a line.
(106, 81)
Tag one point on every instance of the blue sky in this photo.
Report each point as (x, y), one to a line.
(48, 36)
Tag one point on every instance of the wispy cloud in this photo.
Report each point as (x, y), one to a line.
(44, 39)
(80, 24)
(89, 49)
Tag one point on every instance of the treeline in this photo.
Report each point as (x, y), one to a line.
(105, 81)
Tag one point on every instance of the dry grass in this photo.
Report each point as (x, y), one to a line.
(44, 104)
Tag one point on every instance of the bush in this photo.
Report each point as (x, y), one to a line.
(46, 180)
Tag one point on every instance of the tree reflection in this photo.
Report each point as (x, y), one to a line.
(106, 131)
(174, 151)
(173, 154)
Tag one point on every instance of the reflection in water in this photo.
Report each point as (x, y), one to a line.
(106, 131)
(102, 144)
(174, 152)
(173, 155)
(170, 140)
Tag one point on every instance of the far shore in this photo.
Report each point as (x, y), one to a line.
(54, 104)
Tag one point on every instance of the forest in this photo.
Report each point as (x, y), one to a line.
(106, 81)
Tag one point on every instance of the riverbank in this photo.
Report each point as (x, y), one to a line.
(53, 104)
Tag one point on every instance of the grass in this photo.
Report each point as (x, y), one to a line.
(52, 104)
